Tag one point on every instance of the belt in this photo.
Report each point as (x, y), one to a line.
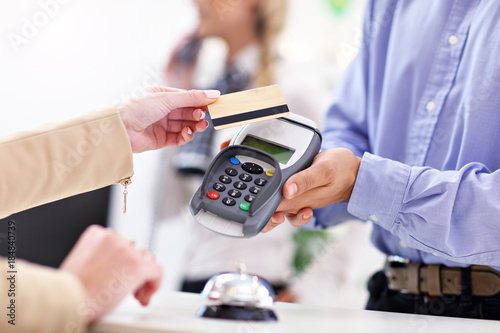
(438, 280)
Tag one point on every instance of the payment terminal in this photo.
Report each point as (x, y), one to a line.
(243, 185)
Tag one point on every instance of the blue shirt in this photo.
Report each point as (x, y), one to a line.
(421, 105)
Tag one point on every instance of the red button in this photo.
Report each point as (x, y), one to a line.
(213, 195)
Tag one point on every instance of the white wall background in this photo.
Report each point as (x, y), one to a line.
(59, 58)
(90, 53)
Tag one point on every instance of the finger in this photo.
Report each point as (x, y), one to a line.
(194, 98)
(138, 294)
(198, 126)
(95, 234)
(226, 142)
(301, 218)
(201, 126)
(92, 230)
(152, 274)
(275, 221)
(179, 138)
(186, 135)
(278, 217)
(176, 126)
(301, 182)
(176, 139)
(160, 89)
(146, 255)
(187, 114)
(144, 294)
(288, 206)
(308, 199)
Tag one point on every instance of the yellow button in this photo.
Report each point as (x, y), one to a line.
(269, 173)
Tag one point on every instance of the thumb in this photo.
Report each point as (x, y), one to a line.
(304, 181)
(188, 98)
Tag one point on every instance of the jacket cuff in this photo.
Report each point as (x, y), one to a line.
(49, 300)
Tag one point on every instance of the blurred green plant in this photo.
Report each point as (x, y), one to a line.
(338, 7)
(309, 244)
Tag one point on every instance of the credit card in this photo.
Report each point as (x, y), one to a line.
(248, 106)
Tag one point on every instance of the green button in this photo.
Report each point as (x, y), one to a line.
(244, 206)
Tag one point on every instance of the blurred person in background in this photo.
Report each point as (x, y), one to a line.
(249, 32)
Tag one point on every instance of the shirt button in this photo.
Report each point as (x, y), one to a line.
(374, 218)
(453, 40)
(430, 106)
(403, 244)
(435, 254)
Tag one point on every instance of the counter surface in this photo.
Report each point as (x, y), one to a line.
(176, 312)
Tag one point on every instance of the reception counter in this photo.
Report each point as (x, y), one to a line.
(176, 312)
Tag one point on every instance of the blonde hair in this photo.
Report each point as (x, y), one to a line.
(270, 19)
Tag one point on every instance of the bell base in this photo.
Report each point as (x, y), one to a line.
(236, 313)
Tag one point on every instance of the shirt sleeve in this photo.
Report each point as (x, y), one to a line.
(346, 121)
(453, 214)
(62, 159)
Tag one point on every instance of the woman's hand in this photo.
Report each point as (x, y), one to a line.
(165, 117)
(110, 267)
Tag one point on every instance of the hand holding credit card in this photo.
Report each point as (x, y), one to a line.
(248, 106)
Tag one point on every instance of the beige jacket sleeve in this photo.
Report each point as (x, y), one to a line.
(42, 165)
(59, 160)
(45, 300)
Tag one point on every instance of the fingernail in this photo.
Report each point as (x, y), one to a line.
(212, 93)
(273, 220)
(189, 131)
(202, 116)
(292, 189)
(306, 217)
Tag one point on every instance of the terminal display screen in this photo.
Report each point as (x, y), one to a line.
(280, 153)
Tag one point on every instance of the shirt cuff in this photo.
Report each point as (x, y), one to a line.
(379, 190)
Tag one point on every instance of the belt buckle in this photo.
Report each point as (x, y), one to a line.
(397, 261)
(397, 273)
